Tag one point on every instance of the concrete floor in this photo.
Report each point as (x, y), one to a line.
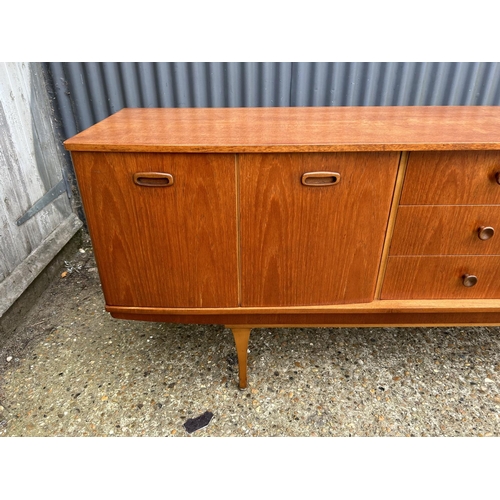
(72, 370)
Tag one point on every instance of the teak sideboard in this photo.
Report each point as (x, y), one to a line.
(247, 217)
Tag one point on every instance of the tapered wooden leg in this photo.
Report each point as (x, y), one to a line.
(241, 337)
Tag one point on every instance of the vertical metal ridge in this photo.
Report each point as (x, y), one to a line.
(147, 84)
(130, 91)
(479, 84)
(113, 86)
(491, 75)
(77, 89)
(63, 98)
(457, 85)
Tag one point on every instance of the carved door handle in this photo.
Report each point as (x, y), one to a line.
(153, 179)
(317, 179)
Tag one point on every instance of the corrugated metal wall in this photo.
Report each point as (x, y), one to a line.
(89, 92)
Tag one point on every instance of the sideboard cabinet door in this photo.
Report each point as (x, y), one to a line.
(316, 238)
(163, 227)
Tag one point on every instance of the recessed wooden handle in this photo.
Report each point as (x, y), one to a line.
(469, 280)
(153, 179)
(497, 177)
(485, 232)
(320, 178)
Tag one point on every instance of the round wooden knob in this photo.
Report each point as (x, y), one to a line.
(469, 280)
(485, 232)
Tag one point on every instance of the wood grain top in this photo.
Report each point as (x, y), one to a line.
(294, 129)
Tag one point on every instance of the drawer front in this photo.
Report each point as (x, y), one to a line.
(446, 230)
(308, 239)
(432, 277)
(452, 178)
(166, 237)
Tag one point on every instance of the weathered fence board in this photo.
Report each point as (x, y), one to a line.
(31, 163)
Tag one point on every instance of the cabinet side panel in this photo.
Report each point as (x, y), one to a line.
(157, 245)
(312, 245)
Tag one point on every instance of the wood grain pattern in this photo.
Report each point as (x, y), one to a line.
(313, 245)
(375, 307)
(328, 320)
(431, 277)
(238, 225)
(241, 337)
(398, 189)
(395, 320)
(161, 246)
(295, 129)
(452, 178)
(445, 230)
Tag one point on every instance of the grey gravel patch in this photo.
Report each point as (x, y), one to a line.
(79, 372)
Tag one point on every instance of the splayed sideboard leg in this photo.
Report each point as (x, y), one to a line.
(241, 337)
